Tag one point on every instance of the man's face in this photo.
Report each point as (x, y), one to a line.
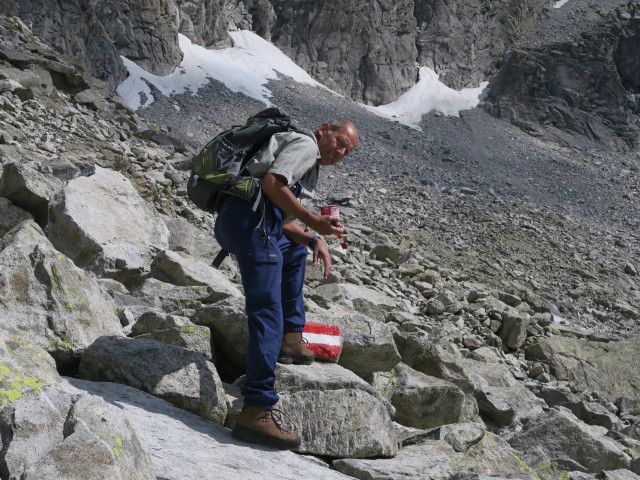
(334, 145)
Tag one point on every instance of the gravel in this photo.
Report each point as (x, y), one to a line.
(474, 192)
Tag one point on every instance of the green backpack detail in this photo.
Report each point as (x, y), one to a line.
(219, 169)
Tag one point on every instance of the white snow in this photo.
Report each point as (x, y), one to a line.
(560, 3)
(427, 95)
(246, 67)
(252, 62)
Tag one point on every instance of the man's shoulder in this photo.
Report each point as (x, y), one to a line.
(296, 136)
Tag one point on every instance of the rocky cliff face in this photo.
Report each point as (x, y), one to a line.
(586, 83)
(480, 333)
(365, 50)
(464, 40)
(99, 32)
(562, 71)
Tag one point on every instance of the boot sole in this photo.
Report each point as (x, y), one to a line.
(253, 436)
(287, 359)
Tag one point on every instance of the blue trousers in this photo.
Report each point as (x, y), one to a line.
(272, 269)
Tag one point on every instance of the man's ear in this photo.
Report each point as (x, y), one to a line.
(324, 128)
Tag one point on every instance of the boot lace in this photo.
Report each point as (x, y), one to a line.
(277, 417)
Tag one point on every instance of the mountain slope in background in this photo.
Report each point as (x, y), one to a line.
(492, 265)
(372, 52)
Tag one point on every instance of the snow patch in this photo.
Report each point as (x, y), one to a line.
(560, 3)
(246, 68)
(427, 95)
(252, 62)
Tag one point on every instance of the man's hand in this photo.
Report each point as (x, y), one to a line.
(321, 252)
(296, 233)
(326, 224)
(276, 189)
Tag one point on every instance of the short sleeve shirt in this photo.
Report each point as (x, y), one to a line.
(291, 155)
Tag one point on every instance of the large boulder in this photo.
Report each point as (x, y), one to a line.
(60, 434)
(368, 344)
(178, 375)
(441, 361)
(422, 401)
(153, 320)
(168, 297)
(612, 369)
(514, 329)
(336, 413)
(191, 337)
(229, 330)
(436, 459)
(28, 189)
(324, 377)
(184, 445)
(501, 398)
(181, 269)
(102, 224)
(42, 293)
(355, 424)
(11, 215)
(174, 330)
(334, 292)
(558, 438)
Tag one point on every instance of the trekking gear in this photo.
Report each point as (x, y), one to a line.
(294, 350)
(220, 167)
(264, 426)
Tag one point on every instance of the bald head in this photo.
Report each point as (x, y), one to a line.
(336, 139)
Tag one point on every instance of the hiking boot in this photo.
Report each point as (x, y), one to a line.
(294, 350)
(259, 425)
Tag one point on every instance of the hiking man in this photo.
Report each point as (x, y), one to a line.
(271, 250)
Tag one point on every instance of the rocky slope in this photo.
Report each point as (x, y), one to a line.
(488, 298)
(567, 74)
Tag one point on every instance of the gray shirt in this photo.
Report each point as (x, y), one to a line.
(291, 155)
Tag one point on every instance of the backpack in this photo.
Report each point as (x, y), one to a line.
(219, 168)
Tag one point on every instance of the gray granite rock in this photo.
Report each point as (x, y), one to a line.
(61, 434)
(184, 445)
(343, 423)
(611, 368)
(28, 189)
(178, 375)
(49, 299)
(101, 222)
(180, 269)
(191, 337)
(422, 401)
(559, 437)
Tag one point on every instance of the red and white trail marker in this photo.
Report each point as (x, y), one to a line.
(324, 340)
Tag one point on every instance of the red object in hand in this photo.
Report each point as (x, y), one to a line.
(334, 211)
(331, 210)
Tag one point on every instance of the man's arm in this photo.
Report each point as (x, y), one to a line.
(276, 189)
(296, 233)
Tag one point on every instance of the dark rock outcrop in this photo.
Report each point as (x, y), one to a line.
(99, 32)
(365, 50)
(463, 40)
(585, 84)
